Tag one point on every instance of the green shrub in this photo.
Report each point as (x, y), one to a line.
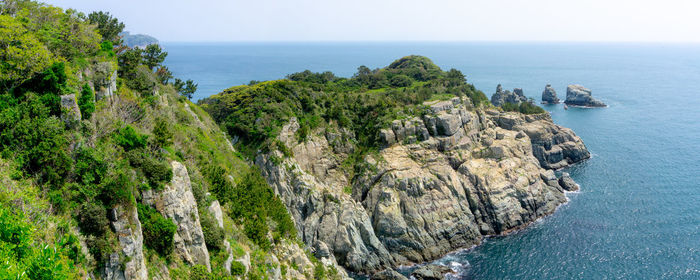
(162, 133)
(213, 234)
(199, 272)
(117, 188)
(221, 186)
(157, 172)
(523, 107)
(129, 138)
(400, 81)
(158, 231)
(237, 268)
(93, 219)
(86, 102)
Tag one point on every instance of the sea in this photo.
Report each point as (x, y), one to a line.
(637, 215)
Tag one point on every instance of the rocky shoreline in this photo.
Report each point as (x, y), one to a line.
(440, 183)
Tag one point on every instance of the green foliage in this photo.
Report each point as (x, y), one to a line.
(162, 133)
(199, 272)
(221, 187)
(400, 81)
(523, 107)
(213, 234)
(130, 139)
(108, 26)
(253, 203)
(186, 89)
(86, 102)
(237, 268)
(20, 259)
(153, 56)
(157, 172)
(158, 231)
(21, 53)
(93, 219)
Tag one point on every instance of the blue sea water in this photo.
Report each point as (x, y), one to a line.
(637, 215)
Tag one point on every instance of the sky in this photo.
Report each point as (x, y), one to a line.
(404, 20)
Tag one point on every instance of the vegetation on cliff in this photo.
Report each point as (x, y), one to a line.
(364, 103)
(87, 125)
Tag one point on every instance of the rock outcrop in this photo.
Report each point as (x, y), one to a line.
(70, 112)
(441, 182)
(126, 224)
(577, 95)
(431, 272)
(549, 95)
(501, 97)
(176, 202)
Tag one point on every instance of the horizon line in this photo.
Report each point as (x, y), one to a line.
(439, 41)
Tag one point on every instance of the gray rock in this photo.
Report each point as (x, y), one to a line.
(176, 202)
(70, 112)
(568, 183)
(501, 97)
(431, 272)
(448, 124)
(578, 95)
(215, 210)
(549, 95)
(128, 229)
(388, 274)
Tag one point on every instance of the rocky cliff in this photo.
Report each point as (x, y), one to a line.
(441, 182)
(549, 95)
(501, 97)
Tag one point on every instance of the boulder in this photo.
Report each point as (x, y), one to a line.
(567, 183)
(388, 274)
(549, 95)
(448, 124)
(215, 210)
(431, 272)
(577, 95)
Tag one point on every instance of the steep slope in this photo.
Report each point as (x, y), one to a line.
(376, 187)
(110, 172)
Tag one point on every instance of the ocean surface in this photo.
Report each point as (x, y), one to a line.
(637, 215)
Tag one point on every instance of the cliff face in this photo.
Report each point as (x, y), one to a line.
(441, 182)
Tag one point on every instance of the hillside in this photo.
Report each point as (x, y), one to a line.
(398, 165)
(109, 172)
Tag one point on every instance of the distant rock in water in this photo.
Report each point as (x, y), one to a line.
(137, 40)
(549, 95)
(578, 95)
(501, 97)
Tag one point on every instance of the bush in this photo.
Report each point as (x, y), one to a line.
(221, 187)
(93, 219)
(213, 234)
(237, 268)
(523, 107)
(129, 138)
(157, 172)
(199, 272)
(162, 133)
(158, 231)
(400, 81)
(86, 102)
(117, 188)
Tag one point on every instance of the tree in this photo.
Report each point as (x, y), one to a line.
(164, 75)
(86, 102)
(21, 54)
(107, 26)
(128, 61)
(186, 89)
(153, 56)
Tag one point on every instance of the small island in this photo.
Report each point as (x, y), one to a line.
(577, 95)
(549, 95)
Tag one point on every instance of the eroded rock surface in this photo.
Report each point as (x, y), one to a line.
(549, 95)
(439, 183)
(578, 95)
(501, 97)
(176, 202)
(127, 226)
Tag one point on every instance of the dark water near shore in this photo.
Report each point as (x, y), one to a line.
(638, 213)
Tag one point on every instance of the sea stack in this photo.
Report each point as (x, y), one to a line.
(577, 95)
(501, 97)
(549, 95)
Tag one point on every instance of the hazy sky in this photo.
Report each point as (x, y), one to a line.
(412, 20)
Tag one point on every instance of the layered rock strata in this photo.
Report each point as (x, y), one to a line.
(441, 182)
